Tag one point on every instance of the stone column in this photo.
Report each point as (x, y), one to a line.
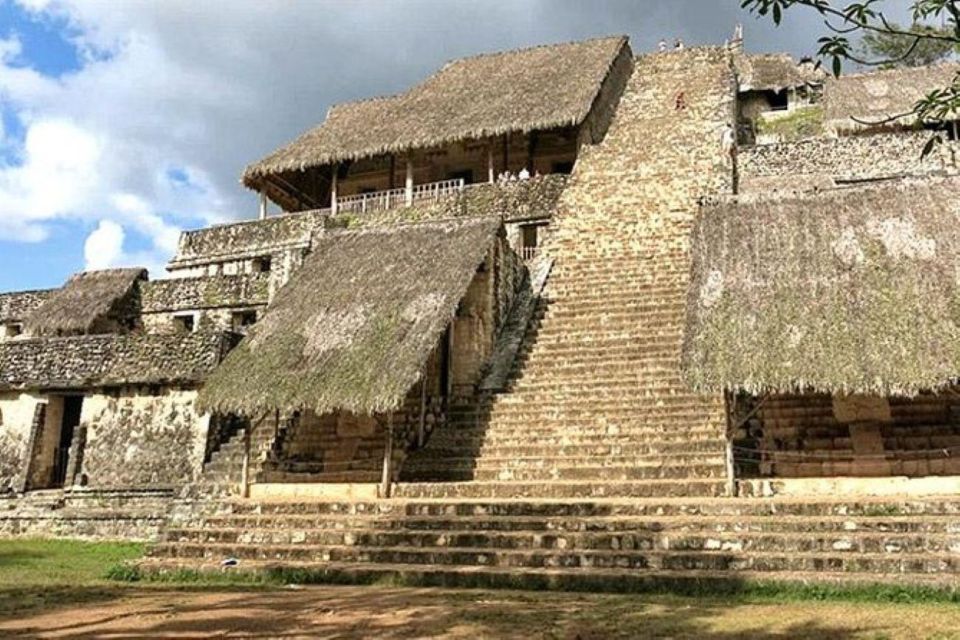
(333, 189)
(408, 185)
(386, 481)
(490, 177)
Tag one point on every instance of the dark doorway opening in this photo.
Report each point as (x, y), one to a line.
(72, 407)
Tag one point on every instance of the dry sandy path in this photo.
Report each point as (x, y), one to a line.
(391, 613)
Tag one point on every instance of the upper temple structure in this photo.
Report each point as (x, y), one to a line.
(549, 317)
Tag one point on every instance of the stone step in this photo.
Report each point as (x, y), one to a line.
(308, 476)
(594, 579)
(588, 298)
(562, 489)
(621, 405)
(583, 386)
(602, 474)
(700, 559)
(862, 507)
(705, 523)
(644, 325)
(575, 459)
(612, 311)
(545, 436)
(609, 316)
(644, 338)
(667, 360)
(639, 421)
(451, 447)
(642, 539)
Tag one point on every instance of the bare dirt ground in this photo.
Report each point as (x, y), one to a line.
(394, 613)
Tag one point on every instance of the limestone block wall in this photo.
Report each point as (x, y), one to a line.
(16, 416)
(204, 319)
(481, 314)
(140, 437)
(822, 161)
(345, 447)
(799, 436)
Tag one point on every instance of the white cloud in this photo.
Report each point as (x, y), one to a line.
(203, 88)
(10, 49)
(58, 171)
(104, 246)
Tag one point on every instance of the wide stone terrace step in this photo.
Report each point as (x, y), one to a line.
(563, 489)
(616, 544)
(596, 579)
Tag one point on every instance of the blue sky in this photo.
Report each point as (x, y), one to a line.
(125, 122)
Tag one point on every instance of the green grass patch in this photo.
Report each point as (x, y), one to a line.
(43, 562)
(802, 122)
(42, 573)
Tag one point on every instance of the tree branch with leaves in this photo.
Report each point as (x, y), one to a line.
(861, 33)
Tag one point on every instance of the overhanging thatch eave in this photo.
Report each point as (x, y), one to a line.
(353, 328)
(851, 290)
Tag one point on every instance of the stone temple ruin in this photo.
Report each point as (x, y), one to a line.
(562, 316)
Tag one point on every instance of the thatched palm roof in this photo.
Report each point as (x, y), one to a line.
(80, 362)
(774, 72)
(90, 302)
(488, 95)
(354, 326)
(873, 97)
(847, 290)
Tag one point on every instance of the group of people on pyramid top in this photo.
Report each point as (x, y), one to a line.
(677, 45)
(509, 176)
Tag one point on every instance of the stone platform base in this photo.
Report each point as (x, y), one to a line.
(87, 514)
(853, 487)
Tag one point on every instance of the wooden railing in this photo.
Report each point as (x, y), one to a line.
(384, 200)
(529, 253)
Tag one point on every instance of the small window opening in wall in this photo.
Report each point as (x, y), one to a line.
(529, 241)
(12, 330)
(262, 265)
(185, 323)
(779, 100)
(243, 319)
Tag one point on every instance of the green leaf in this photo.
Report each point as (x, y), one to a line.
(777, 14)
(837, 66)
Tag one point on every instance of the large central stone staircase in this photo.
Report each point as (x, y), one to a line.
(597, 406)
(595, 467)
